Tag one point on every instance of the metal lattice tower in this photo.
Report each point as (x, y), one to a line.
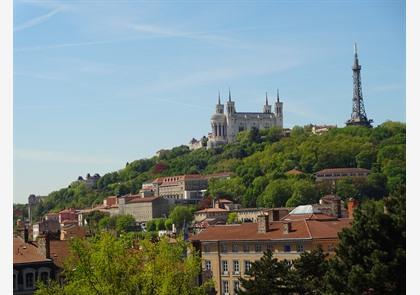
(358, 115)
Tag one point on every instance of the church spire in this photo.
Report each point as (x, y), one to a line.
(219, 96)
(230, 98)
(278, 96)
(266, 99)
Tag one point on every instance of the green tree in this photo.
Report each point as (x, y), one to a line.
(275, 194)
(267, 276)
(93, 219)
(124, 222)
(371, 254)
(304, 192)
(232, 217)
(181, 215)
(307, 274)
(151, 225)
(107, 265)
(168, 224)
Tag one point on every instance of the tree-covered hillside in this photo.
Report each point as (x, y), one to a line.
(259, 160)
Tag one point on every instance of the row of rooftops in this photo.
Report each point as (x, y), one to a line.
(304, 222)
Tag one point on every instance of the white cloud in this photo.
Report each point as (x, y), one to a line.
(161, 31)
(37, 20)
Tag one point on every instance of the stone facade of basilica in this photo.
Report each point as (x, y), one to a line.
(225, 126)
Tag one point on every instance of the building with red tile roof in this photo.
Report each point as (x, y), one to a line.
(228, 250)
(36, 260)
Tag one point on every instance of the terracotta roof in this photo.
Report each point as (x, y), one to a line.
(59, 251)
(293, 172)
(26, 252)
(208, 210)
(224, 201)
(139, 199)
(309, 216)
(249, 231)
(70, 210)
(331, 198)
(343, 170)
(301, 229)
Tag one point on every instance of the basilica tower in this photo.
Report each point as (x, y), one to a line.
(278, 111)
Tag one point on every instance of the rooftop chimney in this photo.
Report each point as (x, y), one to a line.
(287, 227)
(44, 245)
(26, 234)
(351, 206)
(263, 224)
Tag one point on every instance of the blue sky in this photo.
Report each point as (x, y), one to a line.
(100, 83)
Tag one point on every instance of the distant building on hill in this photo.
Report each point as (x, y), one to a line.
(143, 208)
(33, 202)
(294, 172)
(90, 181)
(321, 129)
(187, 188)
(225, 127)
(332, 174)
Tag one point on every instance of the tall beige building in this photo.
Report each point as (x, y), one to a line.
(226, 126)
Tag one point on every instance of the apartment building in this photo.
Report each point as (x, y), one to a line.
(228, 250)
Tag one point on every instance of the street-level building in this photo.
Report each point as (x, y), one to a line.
(228, 250)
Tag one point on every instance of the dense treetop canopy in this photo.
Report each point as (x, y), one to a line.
(259, 160)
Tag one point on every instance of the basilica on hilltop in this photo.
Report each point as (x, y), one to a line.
(225, 126)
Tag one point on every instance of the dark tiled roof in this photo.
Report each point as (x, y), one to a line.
(139, 199)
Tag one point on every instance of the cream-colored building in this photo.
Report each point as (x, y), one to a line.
(226, 126)
(143, 209)
(228, 250)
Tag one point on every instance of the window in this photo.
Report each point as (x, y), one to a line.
(247, 265)
(237, 286)
(29, 280)
(235, 248)
(287, 248)
(206, 248)
(236, 267)
(225, 287)
(223, 247)
(14, 282)
(45, 276)
(330, 247)
(246, 247)
(257, 247)
(208, 264)
(224, 267)
(270, 247)
(299, 248)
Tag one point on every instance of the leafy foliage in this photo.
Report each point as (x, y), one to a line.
(107, 265)
(258, 160)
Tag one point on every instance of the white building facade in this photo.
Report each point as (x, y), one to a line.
(225, 126)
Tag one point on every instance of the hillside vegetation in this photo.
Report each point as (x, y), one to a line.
(259, 160)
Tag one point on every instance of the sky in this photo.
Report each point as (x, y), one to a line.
(101, 83)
